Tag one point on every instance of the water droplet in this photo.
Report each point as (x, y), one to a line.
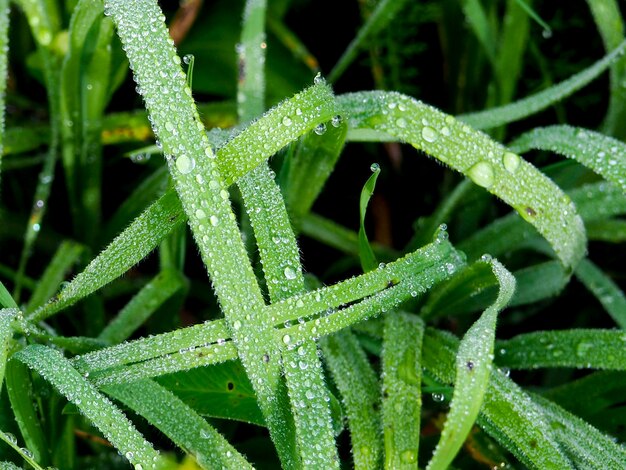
(185, 164)
(289, 273)
(510, 161)
(321, 129)
(401, 123)
(546, 33)
(583, 349)
(129, 455)
(237, 324)
(287, 121)
(200, 214)
(318, 79)
(214, 220)
(298, 112)
(429, 134)
(438, 397)
(36, 227)
(336, 121)
(481, 173)
(11, 438)
(169, 126)
(187, 59)
(374, 167)
(286, 339)
(409, 456)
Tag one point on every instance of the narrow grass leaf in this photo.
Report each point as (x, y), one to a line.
(63, 260)
(488, 164)
(576, 348)
(366, 254)
(4, 49)
(180, 423)
(128, 248)
(383, 14)
(611, 230)
(142, 305)
(585, 445)
(7, 316)
(530, 105)
(118, 430)
(401, 389)
(477, 20)
(359, 387)
(473, 368)
(508, 414)
(604, 155)
(26, 454)
(604, 289)
(6, 300)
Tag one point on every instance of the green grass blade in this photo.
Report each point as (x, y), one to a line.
(5, 298)
(65, 257)
(4, 48)
(130, 247)
(520, 109)
(473, 369)
(251, 50)
(611, 230)
(401, 389)
(359, 387)
(142, 305)
(118, 430)
(477, 20)
(24, 453)
(385, 11)
(180, 423)
(610, 23)
(366, 254)
(536, 198)
(604, 155)
(605, 290)
(579, 348)
(7, 315)
(585, 445)
(508, 413)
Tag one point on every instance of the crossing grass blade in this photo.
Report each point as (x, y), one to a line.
(366, 254)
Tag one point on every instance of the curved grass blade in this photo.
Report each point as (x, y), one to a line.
(26, 454)
(366, 254)
(508, 414)
(585, 445)
(359, 387)
(506, 114)
(180, 423)
(401, 389)
(142, 305)
(63, 260)
(605, 290)
(118, 430)
(579, 348)
(473, 368)
(385, 11)
(5, 298)
(604, 155)
(536, 198)
(130, 247)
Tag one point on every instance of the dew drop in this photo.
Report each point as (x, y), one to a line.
(187, 59)
(374, 167)
(336, 121)
(287, 121)
(200, 214)
(321, 129)
(318, 79)
(482, 174)
(401, 123)
(438, 397)
(237, 324)
(185, 164)
(429, 134)
(510, 161)
(214, 220)
(409, 456)
(289, 273)
(286, 339)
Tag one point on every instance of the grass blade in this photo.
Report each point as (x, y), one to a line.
(368, 259)
(7, 315)
(401, 389)
(359, 387)
(525, 107)
(536, 198)
(4, 48)
(180, 423)
(604, 155)
(473, 368)
(5, 298)
(118, 430)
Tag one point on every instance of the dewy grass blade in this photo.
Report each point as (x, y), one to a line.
(65, 257)
(117, 429)
(359, 387)
(401, 389)
(579, 348)
(584, 444)
(7, 315)
(488, 164)
(142, 305)
(508, 414)
(180, 423)
(499, 116)
(604, 155)
(473, 369)
(4, 51)
(11, 440)
(130, 247)
(366, 254)
(605, 289)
